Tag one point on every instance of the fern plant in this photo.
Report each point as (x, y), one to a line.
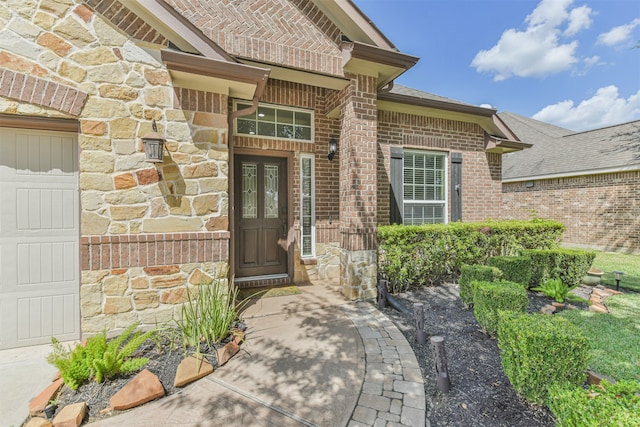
(99, 358)
(555, 289)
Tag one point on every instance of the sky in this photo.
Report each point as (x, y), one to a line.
(574, 64)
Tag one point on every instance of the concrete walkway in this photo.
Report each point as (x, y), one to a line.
(312, 359)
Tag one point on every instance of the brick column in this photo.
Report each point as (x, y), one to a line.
(358, 203)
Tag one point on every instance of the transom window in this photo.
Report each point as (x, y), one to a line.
(275, 122)
(424, 188)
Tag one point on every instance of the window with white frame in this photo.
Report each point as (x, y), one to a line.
(424, 187)
(307, 206)
(276, 122)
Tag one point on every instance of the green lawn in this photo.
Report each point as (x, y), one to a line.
(614, 337)
(629, 264)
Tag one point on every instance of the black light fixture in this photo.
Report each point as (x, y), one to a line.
(618, 275)
(153, 145)
(333, 147)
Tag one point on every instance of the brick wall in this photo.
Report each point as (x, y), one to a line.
(599, 211)
(481, 172)
(289, 33)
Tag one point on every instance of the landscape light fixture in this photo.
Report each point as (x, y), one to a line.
(333, 147)
(618, 275)
(153, 145)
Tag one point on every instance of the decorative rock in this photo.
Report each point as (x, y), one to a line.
(38, 422)
(37, 405)
(191, 369)
(598, 308)
(596, 378)
(227, 352)
(558, 305)
(548, 309)
(143, 388)
(70, 415)
(238, 335)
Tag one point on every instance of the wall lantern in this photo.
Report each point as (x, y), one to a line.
(333, 147)
(153, 145)
(618, 275)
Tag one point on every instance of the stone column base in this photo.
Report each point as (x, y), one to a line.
(359, 271)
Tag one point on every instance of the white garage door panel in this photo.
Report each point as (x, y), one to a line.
(39, 232)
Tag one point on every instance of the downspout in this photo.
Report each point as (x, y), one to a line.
(261, 84)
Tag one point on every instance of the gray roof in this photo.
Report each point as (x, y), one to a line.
(561, 152)
(415, 93)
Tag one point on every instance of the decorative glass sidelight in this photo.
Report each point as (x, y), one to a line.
(306, 206)
(249, 190)
(270, 191)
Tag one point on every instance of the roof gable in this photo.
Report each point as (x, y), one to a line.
(293, 33)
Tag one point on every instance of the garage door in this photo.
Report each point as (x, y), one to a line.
(39, 272)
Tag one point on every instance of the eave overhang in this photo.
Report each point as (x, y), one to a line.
(369, 60)
(495, 144)
(484, 117)
(300, 76)
(213, 75)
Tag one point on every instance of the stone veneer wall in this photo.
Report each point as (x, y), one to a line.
(599, 211)
(481, 172)
(148, 232)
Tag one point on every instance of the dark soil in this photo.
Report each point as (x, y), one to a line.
(480, 393)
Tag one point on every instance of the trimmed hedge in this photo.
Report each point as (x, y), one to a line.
(540, 350)
(568, 265)
(473, 273)
(491, 297)
(514, 268)
(604, 405)
(433, 253)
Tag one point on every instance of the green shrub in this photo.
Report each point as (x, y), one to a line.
(604, 405)
(553, 288)
(99, 358)
(568, 265)
(491, 297)
(473, 273)
(208, 317)
(540, 350)
(514, 268)
(432, 253)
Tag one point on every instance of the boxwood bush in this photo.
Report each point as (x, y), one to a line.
(604, 405)
(568, 265)
(474, 273)
(491, 297)
(432, 253)
(538, 351)
(514, 268)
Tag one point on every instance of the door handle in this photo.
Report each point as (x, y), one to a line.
(284, 228)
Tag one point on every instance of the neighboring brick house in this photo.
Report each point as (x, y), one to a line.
(248, 96)
(589, 181)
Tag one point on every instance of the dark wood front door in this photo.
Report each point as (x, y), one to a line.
(260, 215)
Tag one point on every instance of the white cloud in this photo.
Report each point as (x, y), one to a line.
(537, 51)
(618, 34)
(604, 108)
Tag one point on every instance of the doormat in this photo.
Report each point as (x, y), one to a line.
(267, 292)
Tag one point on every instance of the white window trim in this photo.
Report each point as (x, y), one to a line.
(277, 107)
(446, 183)
(311, 157)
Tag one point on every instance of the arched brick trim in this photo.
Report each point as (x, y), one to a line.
(34, 90)
(127, 21)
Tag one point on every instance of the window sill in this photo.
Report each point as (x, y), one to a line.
(308, 261)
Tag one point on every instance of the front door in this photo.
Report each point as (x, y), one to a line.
(260, 216)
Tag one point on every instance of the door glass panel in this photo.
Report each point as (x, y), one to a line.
(249, 190)
(271, 191)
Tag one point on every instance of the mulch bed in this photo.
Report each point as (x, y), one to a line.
(480, 393)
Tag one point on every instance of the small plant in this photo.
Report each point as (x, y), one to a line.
(207, 318)
(472, 273)
(554, 288)
(98, 358)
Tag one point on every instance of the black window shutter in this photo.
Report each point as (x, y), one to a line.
(456, 187)
(396, 190)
